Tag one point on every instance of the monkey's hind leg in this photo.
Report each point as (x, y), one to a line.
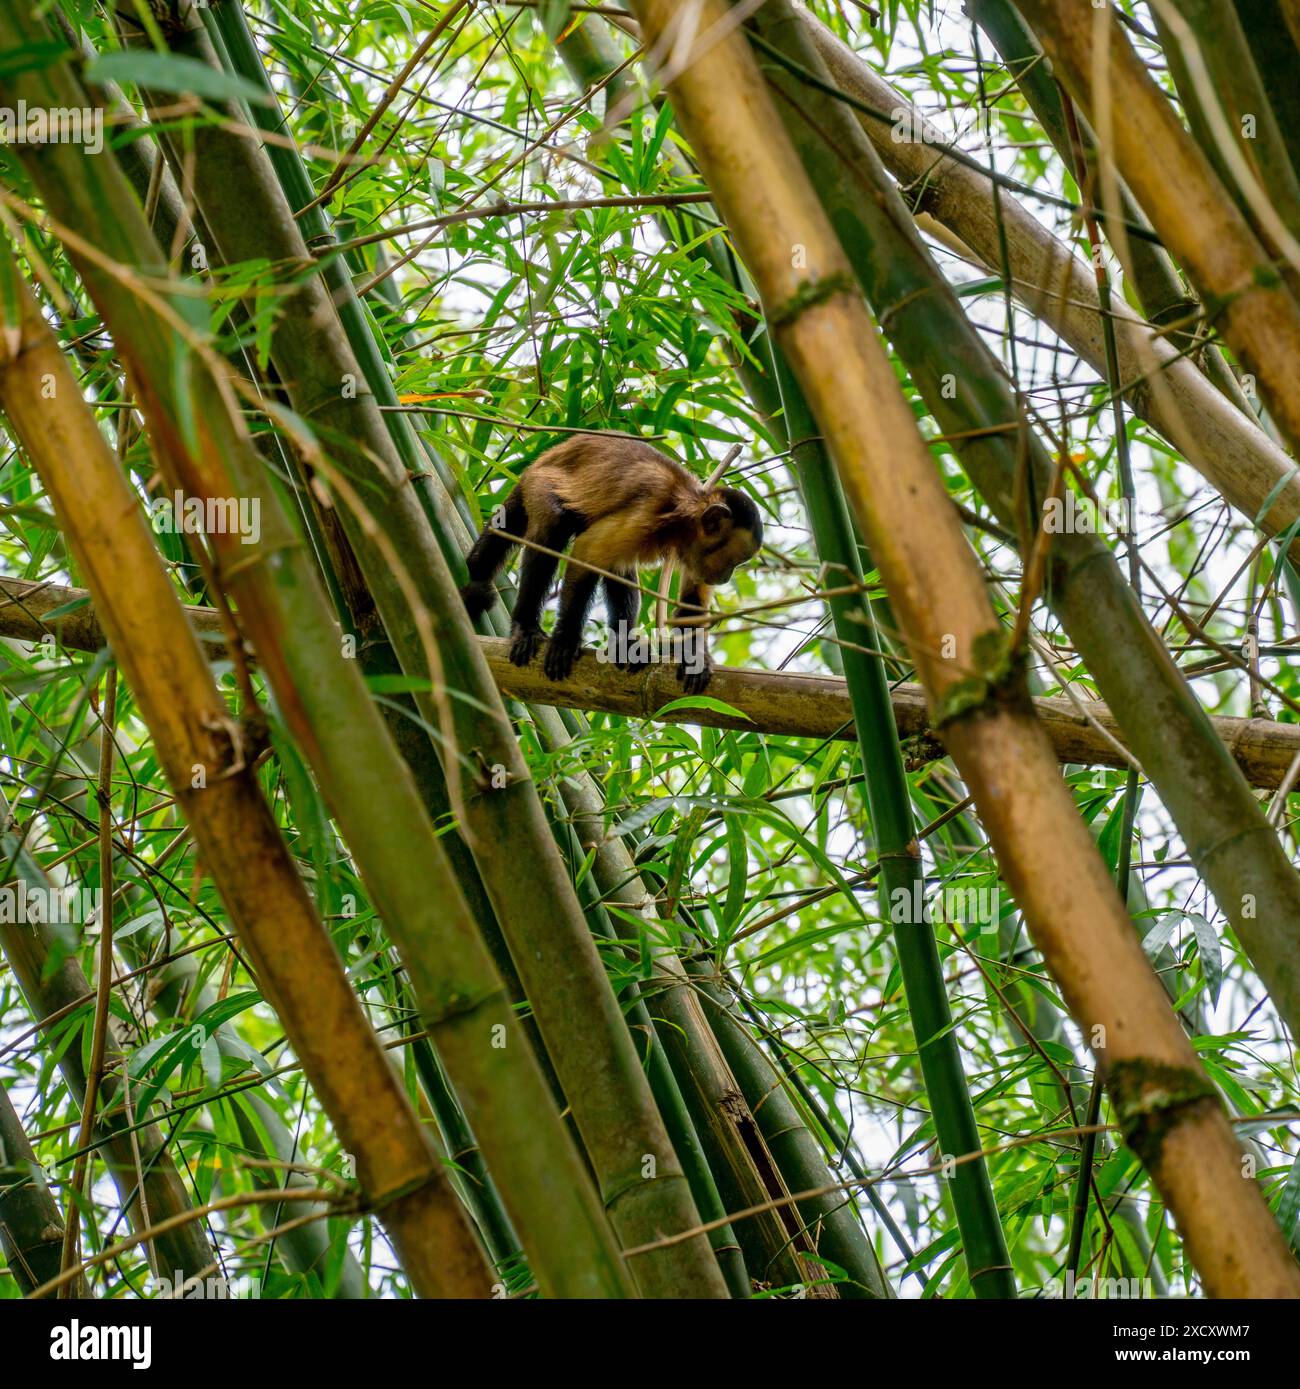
(623, 607)
(489, 553)
(578, 590)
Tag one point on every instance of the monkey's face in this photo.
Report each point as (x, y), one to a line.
(722, 549)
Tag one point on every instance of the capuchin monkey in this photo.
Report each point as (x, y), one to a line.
(623, 504)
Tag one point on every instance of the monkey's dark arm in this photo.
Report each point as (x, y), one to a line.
(623, 607)
(695, 665)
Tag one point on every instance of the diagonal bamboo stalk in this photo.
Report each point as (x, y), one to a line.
(205, 756)
(1199, 223)
(1171, 1114)
(1164, 298)
(1229, 450)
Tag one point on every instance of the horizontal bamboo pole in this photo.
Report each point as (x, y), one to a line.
(784, 703)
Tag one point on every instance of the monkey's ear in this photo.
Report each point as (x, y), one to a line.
(714, 517)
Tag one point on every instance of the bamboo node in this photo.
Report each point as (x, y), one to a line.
(811, 293)
(1149, 1099)
(996, 683)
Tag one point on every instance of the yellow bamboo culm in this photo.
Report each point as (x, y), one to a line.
(203, 752)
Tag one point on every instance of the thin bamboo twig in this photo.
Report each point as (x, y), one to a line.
(104, 982)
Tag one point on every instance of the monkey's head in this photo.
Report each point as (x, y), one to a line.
(730, 533)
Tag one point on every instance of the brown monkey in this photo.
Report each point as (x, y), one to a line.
(622, 503)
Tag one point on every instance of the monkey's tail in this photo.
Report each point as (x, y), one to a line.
(490, 551)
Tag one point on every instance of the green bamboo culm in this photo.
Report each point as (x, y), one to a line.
(987, 1260)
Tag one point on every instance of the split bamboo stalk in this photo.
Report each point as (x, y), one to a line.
(1196, 219)
(205, 755)
(1170, 1112)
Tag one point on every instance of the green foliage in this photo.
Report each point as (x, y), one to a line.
(507, 329)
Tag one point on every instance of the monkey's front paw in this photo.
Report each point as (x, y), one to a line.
(523, 646)
(695, 679)
(559, 660)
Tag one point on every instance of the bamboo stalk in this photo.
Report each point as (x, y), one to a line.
(204, 753)
(1187, 205)
(1171, 1114)
(988, 1262)
(103, 981)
